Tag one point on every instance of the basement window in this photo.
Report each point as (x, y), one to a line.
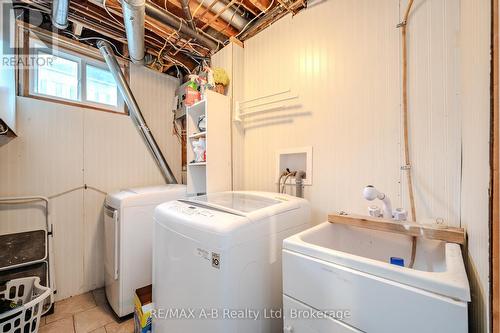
(101, 87)
(70, 78)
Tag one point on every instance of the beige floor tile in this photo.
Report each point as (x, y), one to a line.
(124, 327)
(100, 296)
(42, 321)
(99, 330)
(92, 319)
(64, 325)
(70, 306)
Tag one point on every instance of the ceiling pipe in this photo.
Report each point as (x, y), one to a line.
(134, 16)
(60, 14)
(135, 112)
(187, 13)
(229, 15)
(174, 22)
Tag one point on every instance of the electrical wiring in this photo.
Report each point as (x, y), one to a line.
(29, 8)
(198, 8)
(97, 38)
(107, 11)
(165, 45)
(232, 17)
(256, 17)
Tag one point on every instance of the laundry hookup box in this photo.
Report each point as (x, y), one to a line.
(142, 309)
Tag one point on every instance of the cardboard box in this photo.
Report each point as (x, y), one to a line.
(142, 311)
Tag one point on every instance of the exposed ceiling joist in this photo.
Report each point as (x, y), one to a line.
(166, 41)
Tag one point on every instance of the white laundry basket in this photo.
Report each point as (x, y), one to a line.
(33, 300)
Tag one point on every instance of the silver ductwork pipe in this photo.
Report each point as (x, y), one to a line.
(187, 13)
(229, 15)
(134, 16)
(60, 10)
(174, 22)
(135, 112)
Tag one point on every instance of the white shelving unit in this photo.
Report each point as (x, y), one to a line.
(213, 175)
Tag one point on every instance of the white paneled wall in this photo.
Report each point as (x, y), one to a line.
(342, 58)
(475, 107)
(62, 147)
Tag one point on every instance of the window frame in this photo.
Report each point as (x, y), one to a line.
(82, 61)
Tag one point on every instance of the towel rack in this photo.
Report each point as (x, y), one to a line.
(241, 105)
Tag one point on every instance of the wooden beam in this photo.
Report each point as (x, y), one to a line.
(236, 41)
(261, 4)
(215, 22)
(429, 231)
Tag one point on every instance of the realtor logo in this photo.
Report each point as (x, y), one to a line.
(28, 19)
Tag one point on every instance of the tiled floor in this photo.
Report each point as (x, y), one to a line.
(85, 313)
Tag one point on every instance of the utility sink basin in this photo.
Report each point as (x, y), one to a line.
(334, 266)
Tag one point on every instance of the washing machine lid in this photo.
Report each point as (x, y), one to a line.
(145, 195)
(247, 203)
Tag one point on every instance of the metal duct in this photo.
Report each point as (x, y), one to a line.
(187, 13)
(173, 21)
(135, 112)
(60, 13)
(133, 18)
(229, 15)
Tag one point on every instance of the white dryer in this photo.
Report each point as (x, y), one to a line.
(217, 261)
(128, 227)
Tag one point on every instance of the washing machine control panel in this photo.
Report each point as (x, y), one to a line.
(191, 210)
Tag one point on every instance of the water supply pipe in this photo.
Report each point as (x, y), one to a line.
(135, 112)
(407, 166)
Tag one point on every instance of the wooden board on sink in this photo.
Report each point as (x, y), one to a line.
(429, 231)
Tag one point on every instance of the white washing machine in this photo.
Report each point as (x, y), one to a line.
(128, 228)
(217, 261)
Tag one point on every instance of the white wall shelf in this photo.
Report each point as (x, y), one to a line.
(214, 174)
(198, 135)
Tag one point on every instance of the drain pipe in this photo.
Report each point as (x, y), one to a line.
(299, 183)
(135, 112)
(187, 13)
(134, 16)
(169, 19)
(60, 14)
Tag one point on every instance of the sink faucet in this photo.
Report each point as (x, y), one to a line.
(371, 193)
